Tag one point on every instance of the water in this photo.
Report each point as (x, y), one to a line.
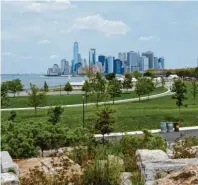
(39, 80)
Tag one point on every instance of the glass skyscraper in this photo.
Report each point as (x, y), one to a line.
(92, 57)
(110, 64)
(117, 66)
(101, 59)
(150, 56)
(75, 57)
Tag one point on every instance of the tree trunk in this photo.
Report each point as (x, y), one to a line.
(103, 139)
(41, 152)
(179, 114)
(14, 95)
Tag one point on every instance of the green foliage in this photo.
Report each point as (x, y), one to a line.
(86, 88)
(36, 97)
(128, 76)
(54, 114)
(149, 86)
(46, 89)
(180, 90)
(110, 76)
(12, 115)
(114, 88)
(193, 140)
(168, 73)
(140, 87)
(127, 83)
(4, 94)
(149, 74)
(183, 149)
(68, 88)
(194, 90)
(15, 86)
(12, 170)
(137, 74)
(104, 121)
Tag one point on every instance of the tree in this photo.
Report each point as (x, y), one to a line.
(140, 87)
(150, 86)
(46, 89)
(4, 94)
(194, 90)
(114, 88)
(128, 76)
(54, 114)
(12, 115)
(36, 97)
(110, 76)
(137, 74)
(127, 84)
(168, 73)
(68, 87)
(148, 74)
(104, 121)
(86, 88)
(15, 86)
(179, 89)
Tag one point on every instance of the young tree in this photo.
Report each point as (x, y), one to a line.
(114, 88)
(168, 73)
(150, 86)
(179, 89)
(46, 89)
(140, 87)
(104, 121)
(127, 84)
(110, 76)
(86, 88)
(137, 74)
(68, 87)
(15, 86)
(194, 90)
(12, 116)
(36, 97)
(4, 94)
(54, 114)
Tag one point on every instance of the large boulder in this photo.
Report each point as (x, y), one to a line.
(9, 179)
(126, 178)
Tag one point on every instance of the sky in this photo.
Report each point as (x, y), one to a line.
(37, 34)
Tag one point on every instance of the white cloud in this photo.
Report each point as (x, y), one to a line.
(44, 42)
(149, 38)
(53, 56)
(7, 54)
(98, 23)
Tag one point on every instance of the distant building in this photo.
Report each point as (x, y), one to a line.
(98, 67)
(117, 66)
(161, 63)
(101, 59)
(79, 58)
(122, 56)
(133, 61)
(75, 56)
(65, 68)
(54, 71)
(156, 66)
(110, 64)
(92, 57)
(144, 63)
(150, 56)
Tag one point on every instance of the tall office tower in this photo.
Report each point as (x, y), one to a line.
(110, 64)
(79, 58)
(67, 68)
(122, 56)
(156, 66)
(117, 66)
(144, 63)
(98, 67)
(92, 57)
(133, 61)
(63, 65)
(72, 66)
(161, 63)
(101, 59)
(150, 56)
(85, 63)
(75, 57)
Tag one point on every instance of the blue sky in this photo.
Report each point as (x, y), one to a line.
(35, 35)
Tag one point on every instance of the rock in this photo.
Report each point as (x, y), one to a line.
(169, 153)
(9, 179)
(126, 178)
(188, 176)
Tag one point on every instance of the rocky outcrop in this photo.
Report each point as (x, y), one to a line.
(188, 176)
(126, 178)
(9, 170)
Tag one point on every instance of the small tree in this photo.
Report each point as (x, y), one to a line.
(114, 88)
(110, 76)
(150, 86)
(168, 73)
(68, 87)
(149, 74)
(194, 90)
(179, 89)
(15, 86)
(4, 94)
(54, 114)
(12, 116)
(86, 88)
(127, 84)
(140, 87)
(137, 74)
(104, 121)
(46, 89)
(36, 97)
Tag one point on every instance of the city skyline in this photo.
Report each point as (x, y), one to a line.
(37, 36)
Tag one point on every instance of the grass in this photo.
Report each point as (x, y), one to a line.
(22, 101)
(128, 116)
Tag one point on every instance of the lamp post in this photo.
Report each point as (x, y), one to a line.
(83, 110)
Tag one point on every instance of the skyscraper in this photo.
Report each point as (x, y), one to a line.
(122, 56)
(133, 61)
(161, 63)
(117, 66)
(75, 57)
(156, 66)
(92, 57)
(150, 56)
(63, 66)
(110, 64)
(144, 62)
(101, 59)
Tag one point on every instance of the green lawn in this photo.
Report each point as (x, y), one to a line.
(22, 101)
(129, 116)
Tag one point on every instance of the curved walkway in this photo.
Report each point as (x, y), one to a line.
(168, 92)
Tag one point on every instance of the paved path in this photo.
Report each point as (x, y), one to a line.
(168, 92)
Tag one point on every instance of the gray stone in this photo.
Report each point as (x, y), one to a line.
(126, 178)
(9, 179)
